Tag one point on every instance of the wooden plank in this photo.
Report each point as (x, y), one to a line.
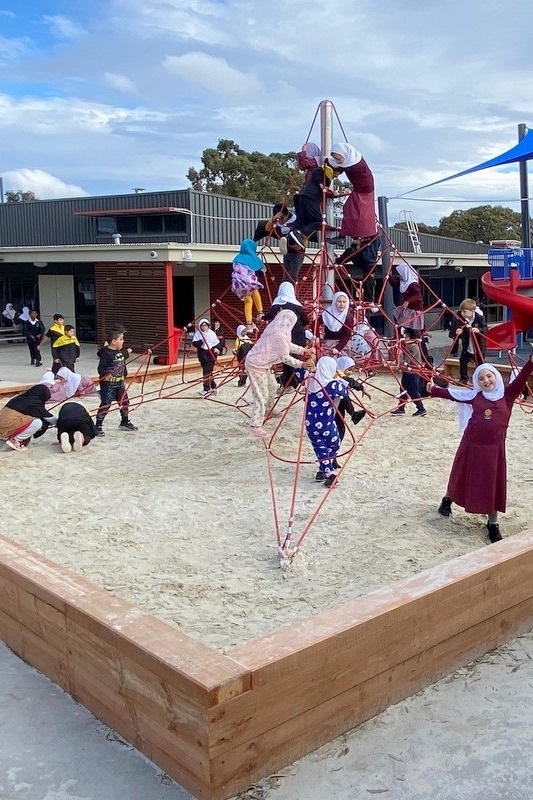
(336, 658)
(249, 761)
(201, 671)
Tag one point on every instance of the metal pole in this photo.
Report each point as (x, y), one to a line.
(326, 141)
(1, 190)
(388, 297)
(524, 194)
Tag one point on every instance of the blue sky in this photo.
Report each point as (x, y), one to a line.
(100, 97)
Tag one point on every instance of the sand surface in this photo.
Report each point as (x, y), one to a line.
(178, 518)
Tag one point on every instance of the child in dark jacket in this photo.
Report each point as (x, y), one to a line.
(243, 345)
(66, 350)
(410, 381)
(112, 371)
(468, 329)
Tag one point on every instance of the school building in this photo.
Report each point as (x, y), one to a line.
(156, 261)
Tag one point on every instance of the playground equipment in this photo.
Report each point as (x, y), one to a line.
(510, 282)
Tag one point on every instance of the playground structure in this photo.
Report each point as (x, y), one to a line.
(510, 282)
(218, 722)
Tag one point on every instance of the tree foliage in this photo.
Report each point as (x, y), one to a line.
(479, 224)
(228, 169)
(19, 196)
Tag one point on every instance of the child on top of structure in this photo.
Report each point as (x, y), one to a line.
(112, 371)
(244, 281)
(208, 347)
(66, 349)
(309, 158)
(308, 206)
(359, 210)
(243, 345)
(468, 329)
(478, 478)
(325, 391)
(274, 345)
(339, 323)
(410, 382)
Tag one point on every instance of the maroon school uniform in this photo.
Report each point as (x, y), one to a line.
(478, 478)
(359, 210)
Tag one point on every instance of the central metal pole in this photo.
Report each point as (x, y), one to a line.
(326, 141)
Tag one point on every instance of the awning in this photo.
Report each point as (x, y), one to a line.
(522, 151)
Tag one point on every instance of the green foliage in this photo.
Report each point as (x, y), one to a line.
(482, 224)
(19, 197)
(229, 170)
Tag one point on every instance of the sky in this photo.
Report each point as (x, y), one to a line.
(105, 96)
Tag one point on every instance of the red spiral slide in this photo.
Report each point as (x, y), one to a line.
(517, 295)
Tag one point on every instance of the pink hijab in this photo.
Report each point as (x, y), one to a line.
(275, 341)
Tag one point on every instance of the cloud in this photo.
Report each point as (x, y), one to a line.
(63, 27)
(213, 74)
(120, 82)
(42, 184)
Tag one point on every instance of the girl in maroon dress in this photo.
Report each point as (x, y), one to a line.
(478, 478)
(411, 313)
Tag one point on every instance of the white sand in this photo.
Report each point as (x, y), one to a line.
(178, 518)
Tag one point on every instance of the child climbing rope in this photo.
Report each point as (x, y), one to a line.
(244, 281)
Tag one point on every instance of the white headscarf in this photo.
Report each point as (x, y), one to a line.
(24, 315)
(326, 370)
(312, 150)
(344, 363)
(333, 318)
(407, 274)
(350, 156)
(286, 295)
(72, 380)
(275, 341)
(9, 312)
(48, 378)
(465, 396)
(209, 337)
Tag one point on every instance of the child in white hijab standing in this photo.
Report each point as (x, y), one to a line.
(208, 347)
(478, 478)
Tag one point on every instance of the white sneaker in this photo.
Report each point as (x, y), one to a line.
(283, 246)
(203, 393)
(65, 442)
(78, 441)
(14, 444)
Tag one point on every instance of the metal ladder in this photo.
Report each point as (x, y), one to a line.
(412, 229)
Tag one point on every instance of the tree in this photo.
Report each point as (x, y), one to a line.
(227, 169)
(19, 197)
(482, 224)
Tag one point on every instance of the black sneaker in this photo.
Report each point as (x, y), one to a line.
(357, 416)
(397, 411)
(98, 430)
(421, 412)
(296, 242)
(445, 508)
(320, 476)
(494, 532)
(38, 363)
(331, 480)
(128, 426)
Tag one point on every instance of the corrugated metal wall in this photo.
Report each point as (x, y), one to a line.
(133, 295)
(434, 244)
(217, 219)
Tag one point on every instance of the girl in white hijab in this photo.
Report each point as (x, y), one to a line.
(410, 313)
(478, 478)
(208, 347)
(338, 322)
(325, 392)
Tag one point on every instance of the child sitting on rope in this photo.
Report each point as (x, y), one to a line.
(274, 345)
(325, 391)
(243, 345)
(244, 281)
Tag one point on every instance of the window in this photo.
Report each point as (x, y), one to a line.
(152, 223)
(127, 225)
(175, 223)
(106, 226)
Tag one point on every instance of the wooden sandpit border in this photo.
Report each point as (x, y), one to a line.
(217, 723)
